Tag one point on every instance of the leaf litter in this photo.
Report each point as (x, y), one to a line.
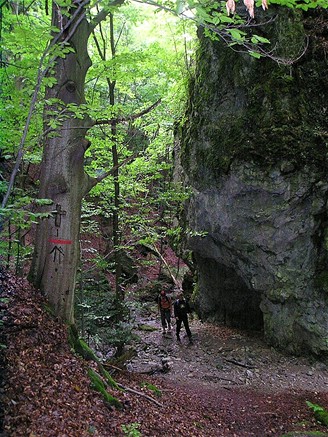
(45, 390)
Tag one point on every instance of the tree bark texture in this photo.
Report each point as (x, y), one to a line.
(63, 179)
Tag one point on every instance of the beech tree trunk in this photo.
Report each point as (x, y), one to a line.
(63, 179)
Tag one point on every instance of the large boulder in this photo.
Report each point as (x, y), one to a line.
(254, 152)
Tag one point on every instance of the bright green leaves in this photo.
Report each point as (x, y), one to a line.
(221, 22)
(56, 112)
(256, 39)
(255, 54)
(179, 7)
(237, 35)
(240, 37)
(301, 4)
(151, 62)
(21, 212)
(16, 220)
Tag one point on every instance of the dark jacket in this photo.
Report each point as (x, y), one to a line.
(181, 308)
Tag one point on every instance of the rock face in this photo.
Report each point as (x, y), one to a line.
(254, 152)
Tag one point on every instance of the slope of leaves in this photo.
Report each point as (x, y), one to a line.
(44, 381)
(45, 390)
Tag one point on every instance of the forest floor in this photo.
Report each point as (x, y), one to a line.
(227, 383)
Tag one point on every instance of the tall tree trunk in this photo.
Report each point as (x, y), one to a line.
(116, 218)
(63, 179)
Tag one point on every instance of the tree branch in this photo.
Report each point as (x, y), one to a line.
(94, 181)
(131, 390)
(237, 363)
(102, 15)
(126, 118)
(40, 76)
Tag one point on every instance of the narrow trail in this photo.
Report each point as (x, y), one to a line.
(257, 390)
(224, 357)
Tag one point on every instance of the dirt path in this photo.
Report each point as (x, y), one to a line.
(258, 390)
(225, 357)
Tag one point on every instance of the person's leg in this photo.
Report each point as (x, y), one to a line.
(178, 327)
(163, 320)
(168, 319)
(186, 325)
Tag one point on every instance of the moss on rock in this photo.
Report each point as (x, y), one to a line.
(259, 110)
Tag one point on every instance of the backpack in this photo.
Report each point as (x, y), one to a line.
(164, 302)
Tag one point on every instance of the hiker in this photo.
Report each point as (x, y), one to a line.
(165, 309)
(181, 310)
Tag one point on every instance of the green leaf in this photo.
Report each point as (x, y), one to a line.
(259, 39)
(314, 407)
(237, 34)
(255, 54)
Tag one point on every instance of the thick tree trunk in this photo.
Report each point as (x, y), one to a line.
(63, 179)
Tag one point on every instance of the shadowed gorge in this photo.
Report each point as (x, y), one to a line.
(228, 299)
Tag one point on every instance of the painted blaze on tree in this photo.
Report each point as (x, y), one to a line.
(63, 179)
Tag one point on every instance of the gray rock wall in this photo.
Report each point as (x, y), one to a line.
(254, 151)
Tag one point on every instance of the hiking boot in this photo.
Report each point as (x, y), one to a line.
(178, 339)
(169, 329)
(164, 331)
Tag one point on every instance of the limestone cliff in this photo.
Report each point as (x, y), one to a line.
(254, 150)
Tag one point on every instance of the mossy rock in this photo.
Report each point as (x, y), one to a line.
(81, 348)
(122, 359)
(322, 417)
(144, 327)
(156, 391)
(320, 413)
(109, 379)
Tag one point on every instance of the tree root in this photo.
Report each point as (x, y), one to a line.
(131, 390)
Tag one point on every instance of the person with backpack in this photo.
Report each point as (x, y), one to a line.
(165, 309)
(181, 311)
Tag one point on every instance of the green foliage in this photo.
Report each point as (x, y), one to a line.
(156, 391)
(24, 38)
(101, 318)
(320, 413)
(301, 4)
(16, 220)
(22, 210)
(150, 62)
(236, 29)
(132, 429)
